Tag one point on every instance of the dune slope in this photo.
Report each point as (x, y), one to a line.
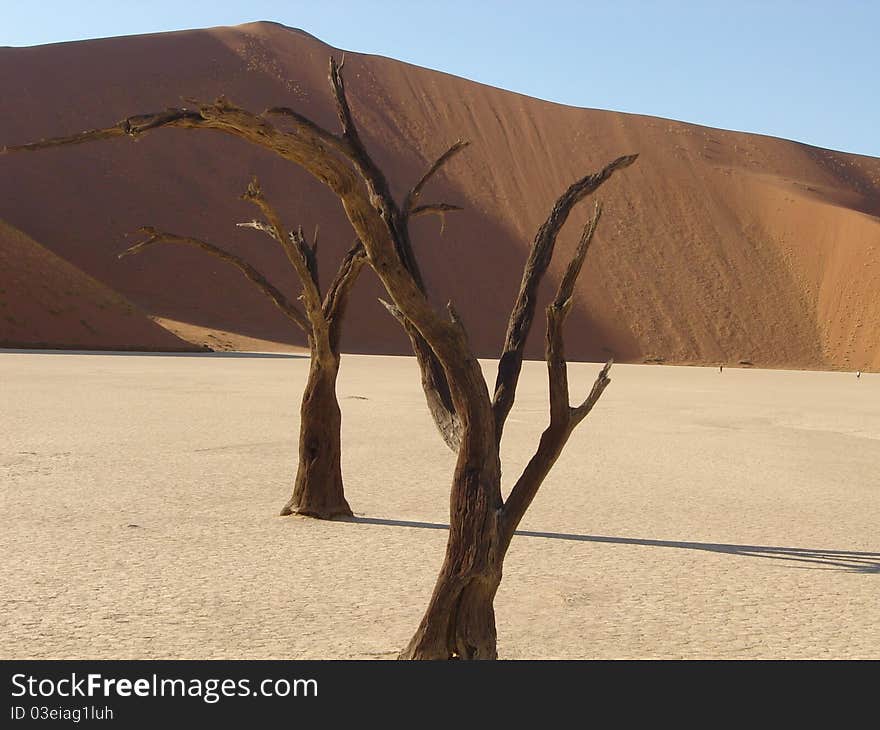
(716, 247)
(47, 302)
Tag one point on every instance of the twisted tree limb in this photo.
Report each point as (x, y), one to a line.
(300, 255)
(563, 417)
(523, 312)
(336, 298)
(155, 236)
(434, 384)
(412, 197)
(132, 127)
(325, 316)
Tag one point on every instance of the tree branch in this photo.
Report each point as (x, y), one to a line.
(557, 312)
(304, 123)
(523, 312)
(438, 395)
(132, 127)
(260, 226)
(565, 290)
(300, 255)
(602, 380)
(413, 196)
(563, 418)
(336, 299)
(155, 236)
(377, 185)
(440, 209)
(306, 145)
(309, 254)
(434, 208)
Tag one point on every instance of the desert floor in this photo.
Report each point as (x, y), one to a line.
(693, 515)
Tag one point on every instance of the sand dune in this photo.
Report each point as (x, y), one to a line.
(46, 302)
(716, 246)
(693, 515)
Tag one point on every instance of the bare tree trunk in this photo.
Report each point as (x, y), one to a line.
(460, 619)
(318, 490)
(459, 622)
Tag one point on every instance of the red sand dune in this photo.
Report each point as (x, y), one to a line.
(46, 302)
(715, 247)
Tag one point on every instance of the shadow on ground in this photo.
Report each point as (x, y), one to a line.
(851, 561)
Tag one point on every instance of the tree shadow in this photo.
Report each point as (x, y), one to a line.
(848, 560)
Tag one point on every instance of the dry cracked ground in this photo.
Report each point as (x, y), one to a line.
(695, 514)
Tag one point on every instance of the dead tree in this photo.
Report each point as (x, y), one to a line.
(460, 619)
(318, 488)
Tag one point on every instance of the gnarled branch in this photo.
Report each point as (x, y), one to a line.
(132, 126)
(438, 394)
(557, 312)
(304, 123)
(412, 198)
(563, 418)
(299, 253)
(579, 413)
(377, 185)
(434, 208)
(336, 299)
(440, 209)
(523, 312)
(434, 383)
(154, 236)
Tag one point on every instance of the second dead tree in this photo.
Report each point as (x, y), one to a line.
(318, 487)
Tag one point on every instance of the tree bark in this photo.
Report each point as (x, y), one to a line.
(318, 490)
(459, 622)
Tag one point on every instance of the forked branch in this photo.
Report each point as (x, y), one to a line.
(336, 299)
(412, 198)
(377, 185)
(434, 383)
(563, 418)
(557, 312)
(299, 253)
(434, 379)
(523, 311)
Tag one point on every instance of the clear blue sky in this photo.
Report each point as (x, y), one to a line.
(799, 69)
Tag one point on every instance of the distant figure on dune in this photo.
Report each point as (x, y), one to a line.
(721, 368)
(858, 373)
